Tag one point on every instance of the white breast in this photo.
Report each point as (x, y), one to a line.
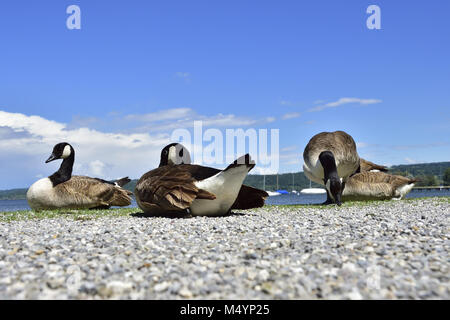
(40, 194)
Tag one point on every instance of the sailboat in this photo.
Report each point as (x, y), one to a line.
(293, 185)
(270, 193)
(313, 190)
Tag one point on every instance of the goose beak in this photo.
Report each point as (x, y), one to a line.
(52, 158)
(338, 200)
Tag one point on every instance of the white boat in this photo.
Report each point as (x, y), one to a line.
(313, 191)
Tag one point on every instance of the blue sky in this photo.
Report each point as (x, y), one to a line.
(298, 66)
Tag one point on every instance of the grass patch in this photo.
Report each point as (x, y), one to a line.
(85, 215)
(350, 204)
(78, 215)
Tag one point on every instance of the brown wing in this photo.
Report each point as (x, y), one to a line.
(249, 198)
(169, 188)
(367, 166)
(378, 177)
(92, 192)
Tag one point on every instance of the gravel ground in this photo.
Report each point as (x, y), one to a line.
(388, 250)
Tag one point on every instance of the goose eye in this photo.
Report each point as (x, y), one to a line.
(181, 153)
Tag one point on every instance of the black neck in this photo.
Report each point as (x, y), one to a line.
(329, 165)
(163, 162)
(65, 170)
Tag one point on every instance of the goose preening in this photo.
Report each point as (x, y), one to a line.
(377, 186)
(62, 190)
(248, 197)
(174, 153)
(329, 159)
(202, 191)
(366, 165)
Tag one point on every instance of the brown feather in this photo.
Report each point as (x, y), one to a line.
(169, 189)
(368, 166)
(86, 192)
(374, 185)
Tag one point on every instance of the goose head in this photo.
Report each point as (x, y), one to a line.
(61, 151)
(334, 188)
(173, 154)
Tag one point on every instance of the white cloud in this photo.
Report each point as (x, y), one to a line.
(293, 162)
(290, 156)
(291, 115)
(343, 101)
(162, 115)
(109, 155)
(410, 161)
(290, 148)
(97, 167)
(106, 155)
(166, 120)
(285, 103)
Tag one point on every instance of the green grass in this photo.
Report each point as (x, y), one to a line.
(79, 215)
(84, 215)
(349, 204)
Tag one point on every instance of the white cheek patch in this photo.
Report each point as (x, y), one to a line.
(66, 152)
(172, 156)
(328, 186)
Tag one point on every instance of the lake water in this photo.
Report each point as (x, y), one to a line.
(14, 205)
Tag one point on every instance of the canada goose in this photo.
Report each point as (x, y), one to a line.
(329, 159)
(62, 190)
(248, 197)
(377, 185)
(365, 165)
(201, 190)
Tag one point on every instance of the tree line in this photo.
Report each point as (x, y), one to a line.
(429, 174)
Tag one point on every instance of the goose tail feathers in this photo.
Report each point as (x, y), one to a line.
(121, 182)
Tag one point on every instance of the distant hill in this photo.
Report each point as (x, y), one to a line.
(14, 194)
(436, 168)
(428, 173)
